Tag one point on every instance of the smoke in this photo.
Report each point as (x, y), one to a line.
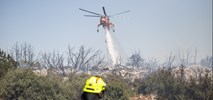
(111, 47)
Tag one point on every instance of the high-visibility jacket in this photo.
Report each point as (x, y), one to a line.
(94, 85)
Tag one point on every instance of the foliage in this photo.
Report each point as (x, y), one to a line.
(72, 88)
(24, 84)
(6, 63)
(167, 86)
(136, 60)
(117, 88)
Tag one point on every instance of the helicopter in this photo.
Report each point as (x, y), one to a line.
(104, 19)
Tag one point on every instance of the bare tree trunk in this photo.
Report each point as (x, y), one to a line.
(23, 54)
(54, 61)
(171, 60)
(83, 58)
(188, 57)
(195, 57)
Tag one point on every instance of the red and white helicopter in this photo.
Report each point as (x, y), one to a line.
(104, 19)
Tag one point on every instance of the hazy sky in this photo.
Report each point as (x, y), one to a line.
(155, 27)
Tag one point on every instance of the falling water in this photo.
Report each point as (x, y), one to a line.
(111, 47)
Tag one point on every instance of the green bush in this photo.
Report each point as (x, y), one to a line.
(166, 86)
(24, 84)
(73, 87)
(6, 63)
(117, 88)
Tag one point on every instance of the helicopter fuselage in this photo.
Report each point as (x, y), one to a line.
(104, 19)
(105, 22)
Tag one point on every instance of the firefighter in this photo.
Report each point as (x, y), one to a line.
(94, 88)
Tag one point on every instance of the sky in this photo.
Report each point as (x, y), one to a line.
(154, 27)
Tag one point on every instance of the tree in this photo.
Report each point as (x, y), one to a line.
(83, 58)
(23, 54)
(54, 60)
(136, 60)
(207, 61)
(171, 60)
(186, 59)
(6, 62)
(152, 64)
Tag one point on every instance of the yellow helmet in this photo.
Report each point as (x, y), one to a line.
(94, 85)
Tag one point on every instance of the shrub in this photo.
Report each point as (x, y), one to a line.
(24, 84)
(169, 87)
(116, 88)
(6, 63)
(73, 87)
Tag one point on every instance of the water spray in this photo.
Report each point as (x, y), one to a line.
(111, 47)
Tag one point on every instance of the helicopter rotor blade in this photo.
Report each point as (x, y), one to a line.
(119, 13)
(104, 11)
(92, 15)
(90, 11)
(120, 17)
